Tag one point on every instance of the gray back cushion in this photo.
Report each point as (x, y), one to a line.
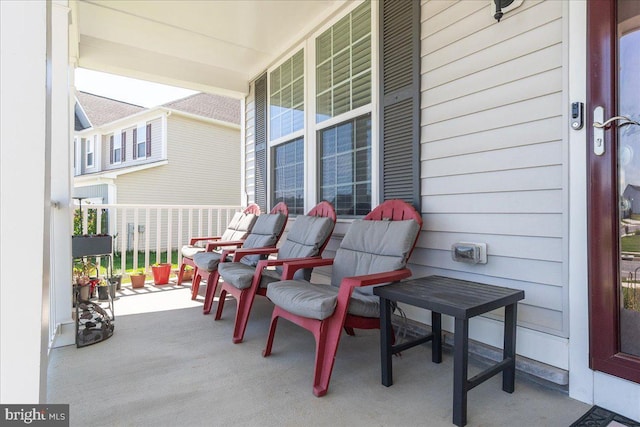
(372, 247)
(264, 233)
(304, 239)
(239, 227)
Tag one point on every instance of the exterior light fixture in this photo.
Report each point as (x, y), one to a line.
(499, 5)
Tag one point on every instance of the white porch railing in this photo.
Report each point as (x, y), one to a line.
(159, 228)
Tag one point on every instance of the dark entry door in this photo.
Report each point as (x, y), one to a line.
(613, 112)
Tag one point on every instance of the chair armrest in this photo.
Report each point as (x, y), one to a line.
(375, 279)
(290, 267)
(238, 254)
(218, 244)
(193, 240)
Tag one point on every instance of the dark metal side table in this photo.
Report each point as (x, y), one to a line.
(462, 300)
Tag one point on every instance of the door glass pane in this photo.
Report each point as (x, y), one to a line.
(629, 174)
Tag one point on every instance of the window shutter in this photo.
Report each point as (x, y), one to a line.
(400, 107)
(111, 149)
(261, 142)
(135, 143)
(123, 146)
(148, 144)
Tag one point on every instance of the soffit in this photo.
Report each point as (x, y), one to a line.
(202, 45)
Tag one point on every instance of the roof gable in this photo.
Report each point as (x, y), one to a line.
(211, 106)
(100, 110)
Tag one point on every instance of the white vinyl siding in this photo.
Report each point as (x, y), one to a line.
(492, 152)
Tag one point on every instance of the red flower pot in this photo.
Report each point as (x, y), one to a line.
(161, 273)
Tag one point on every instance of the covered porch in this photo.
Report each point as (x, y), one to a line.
(167, 364)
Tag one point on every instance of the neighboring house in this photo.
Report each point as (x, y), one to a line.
(479, 123)
(185, 152)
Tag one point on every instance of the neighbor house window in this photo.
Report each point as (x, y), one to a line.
(142, 141)
(343, 65)
(116, 143)
(288, 175)
(89, 145)
(345, 166)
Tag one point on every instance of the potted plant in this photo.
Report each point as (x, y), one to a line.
(161, 273)
(103, 290)
(82, 277)
(187, 274)
(137, 279)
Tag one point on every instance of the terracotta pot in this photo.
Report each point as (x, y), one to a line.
(161, 273)
(137, 280)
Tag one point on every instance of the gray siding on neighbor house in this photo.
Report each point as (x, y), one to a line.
(100, 191)
(249, 142)
(492, 154)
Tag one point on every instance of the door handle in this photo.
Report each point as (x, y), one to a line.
(599, 125)
(627, 121)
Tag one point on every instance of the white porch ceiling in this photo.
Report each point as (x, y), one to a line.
(207, 45)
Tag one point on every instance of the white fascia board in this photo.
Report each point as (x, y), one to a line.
(107, 177)
(171, 111)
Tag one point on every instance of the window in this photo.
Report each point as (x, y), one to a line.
(288, 175)
(116, 143)
(89, 143)
(142, 141)
(345, 166)
(286, 97)
(343, 65)
(286, 129)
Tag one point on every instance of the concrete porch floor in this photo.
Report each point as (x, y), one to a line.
(167, 364)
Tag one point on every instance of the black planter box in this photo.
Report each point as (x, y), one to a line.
(90, 245)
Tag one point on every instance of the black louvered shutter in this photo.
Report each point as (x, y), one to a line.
(148, 144)
(400, 106)
(135, 143)
(123, 146)
(111, 149)
(261, 143)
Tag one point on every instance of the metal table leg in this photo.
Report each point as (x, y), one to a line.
(460, 367)
(509, 349)
(386, 334)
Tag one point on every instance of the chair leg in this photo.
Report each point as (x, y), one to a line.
(212, 285)
(349, 331)
(221, 300)
(243, 310)
(195, 284)
(327, 341)
(181, 273)
(272, 331)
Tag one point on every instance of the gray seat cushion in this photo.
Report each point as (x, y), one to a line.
(188, 251)
(207, 261)
(264, 233)
(240, 275)
(318, 301)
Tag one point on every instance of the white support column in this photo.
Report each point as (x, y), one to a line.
(62, 104)
(23, 200)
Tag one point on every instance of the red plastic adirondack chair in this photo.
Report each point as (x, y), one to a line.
(188, 251)
(265, 233)
(374, 251)
(306, 240)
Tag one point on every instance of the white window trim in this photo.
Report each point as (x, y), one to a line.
(90, 149)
